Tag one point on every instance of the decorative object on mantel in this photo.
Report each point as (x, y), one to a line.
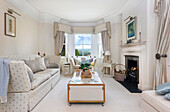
(120, 74)
(131, 29)
(129, 41)
(10, 25)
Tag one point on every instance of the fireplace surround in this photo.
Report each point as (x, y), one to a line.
(140, 51)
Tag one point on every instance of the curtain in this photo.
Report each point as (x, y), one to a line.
(59, 40)
(163, 42)
(105, 43)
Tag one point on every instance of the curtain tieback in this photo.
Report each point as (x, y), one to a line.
(158, 56)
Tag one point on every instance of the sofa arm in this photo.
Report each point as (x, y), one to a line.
(19, 80)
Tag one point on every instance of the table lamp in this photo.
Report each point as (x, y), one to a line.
(107, 53)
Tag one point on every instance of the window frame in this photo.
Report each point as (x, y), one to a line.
(83, 43)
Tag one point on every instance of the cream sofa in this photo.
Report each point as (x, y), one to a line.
(23, 95)
(152, 102)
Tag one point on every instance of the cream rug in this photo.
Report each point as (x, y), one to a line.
(118, 99)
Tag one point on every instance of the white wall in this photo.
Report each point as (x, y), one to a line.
(46, 39)
(116, 42)
(26, 40)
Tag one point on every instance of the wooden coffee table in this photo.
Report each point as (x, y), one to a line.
(86, 90)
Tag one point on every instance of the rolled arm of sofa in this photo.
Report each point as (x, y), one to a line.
(19, 80)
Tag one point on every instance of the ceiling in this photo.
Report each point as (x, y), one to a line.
(79, 10)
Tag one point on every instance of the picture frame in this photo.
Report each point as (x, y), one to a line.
(10, 25)
(131, 29)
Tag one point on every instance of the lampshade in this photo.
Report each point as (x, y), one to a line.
(107, 53)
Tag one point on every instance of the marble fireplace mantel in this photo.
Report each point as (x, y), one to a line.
(137, 49)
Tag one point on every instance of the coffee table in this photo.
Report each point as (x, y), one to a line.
(86, 90)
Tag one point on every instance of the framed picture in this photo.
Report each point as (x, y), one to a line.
(131, 29)
(10, 25)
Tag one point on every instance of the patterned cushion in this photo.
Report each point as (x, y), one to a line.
(35, 65)
(39, 79)
(30, 73)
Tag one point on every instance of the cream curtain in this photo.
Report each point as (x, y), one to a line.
(59, 40)
(163, 42)
(105, 42)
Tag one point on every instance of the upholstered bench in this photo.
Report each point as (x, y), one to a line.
(152, 102)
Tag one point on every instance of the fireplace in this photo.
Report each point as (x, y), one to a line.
(132, 66)
(132, 74)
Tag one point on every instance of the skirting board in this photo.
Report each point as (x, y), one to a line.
(144, 87)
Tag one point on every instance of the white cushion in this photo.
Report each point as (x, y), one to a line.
(157, 101)
(43, 64)
(39, 79)
(77, 66)
(53, 71)
(72, 60)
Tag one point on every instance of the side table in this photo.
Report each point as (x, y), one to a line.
(108, 68)
(66, 68)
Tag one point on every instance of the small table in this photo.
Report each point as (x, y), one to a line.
(108, 68)
(66, 68)
(86, 90)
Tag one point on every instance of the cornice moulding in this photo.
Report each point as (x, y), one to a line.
(25, 7)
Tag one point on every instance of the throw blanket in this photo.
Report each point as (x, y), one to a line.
(4, 79)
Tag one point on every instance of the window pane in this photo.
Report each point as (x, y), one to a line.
(78, 50)
(87, 50)
(100, 50)
(78, 39)
(87, 39)
(63, 51)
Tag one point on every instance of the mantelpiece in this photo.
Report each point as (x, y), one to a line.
(137, 49)
(133, 44)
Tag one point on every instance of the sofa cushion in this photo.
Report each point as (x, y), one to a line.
(30, 73)
(53, 71)
(39, 79)
(53, 65)
(34, 64)
(159, 102)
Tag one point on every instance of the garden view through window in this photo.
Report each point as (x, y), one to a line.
(82, 44)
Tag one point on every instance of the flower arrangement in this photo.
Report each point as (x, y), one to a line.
(85, 66)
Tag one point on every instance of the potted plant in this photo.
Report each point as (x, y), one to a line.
(85, 67)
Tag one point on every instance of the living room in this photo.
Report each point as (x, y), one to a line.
(66, 56)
